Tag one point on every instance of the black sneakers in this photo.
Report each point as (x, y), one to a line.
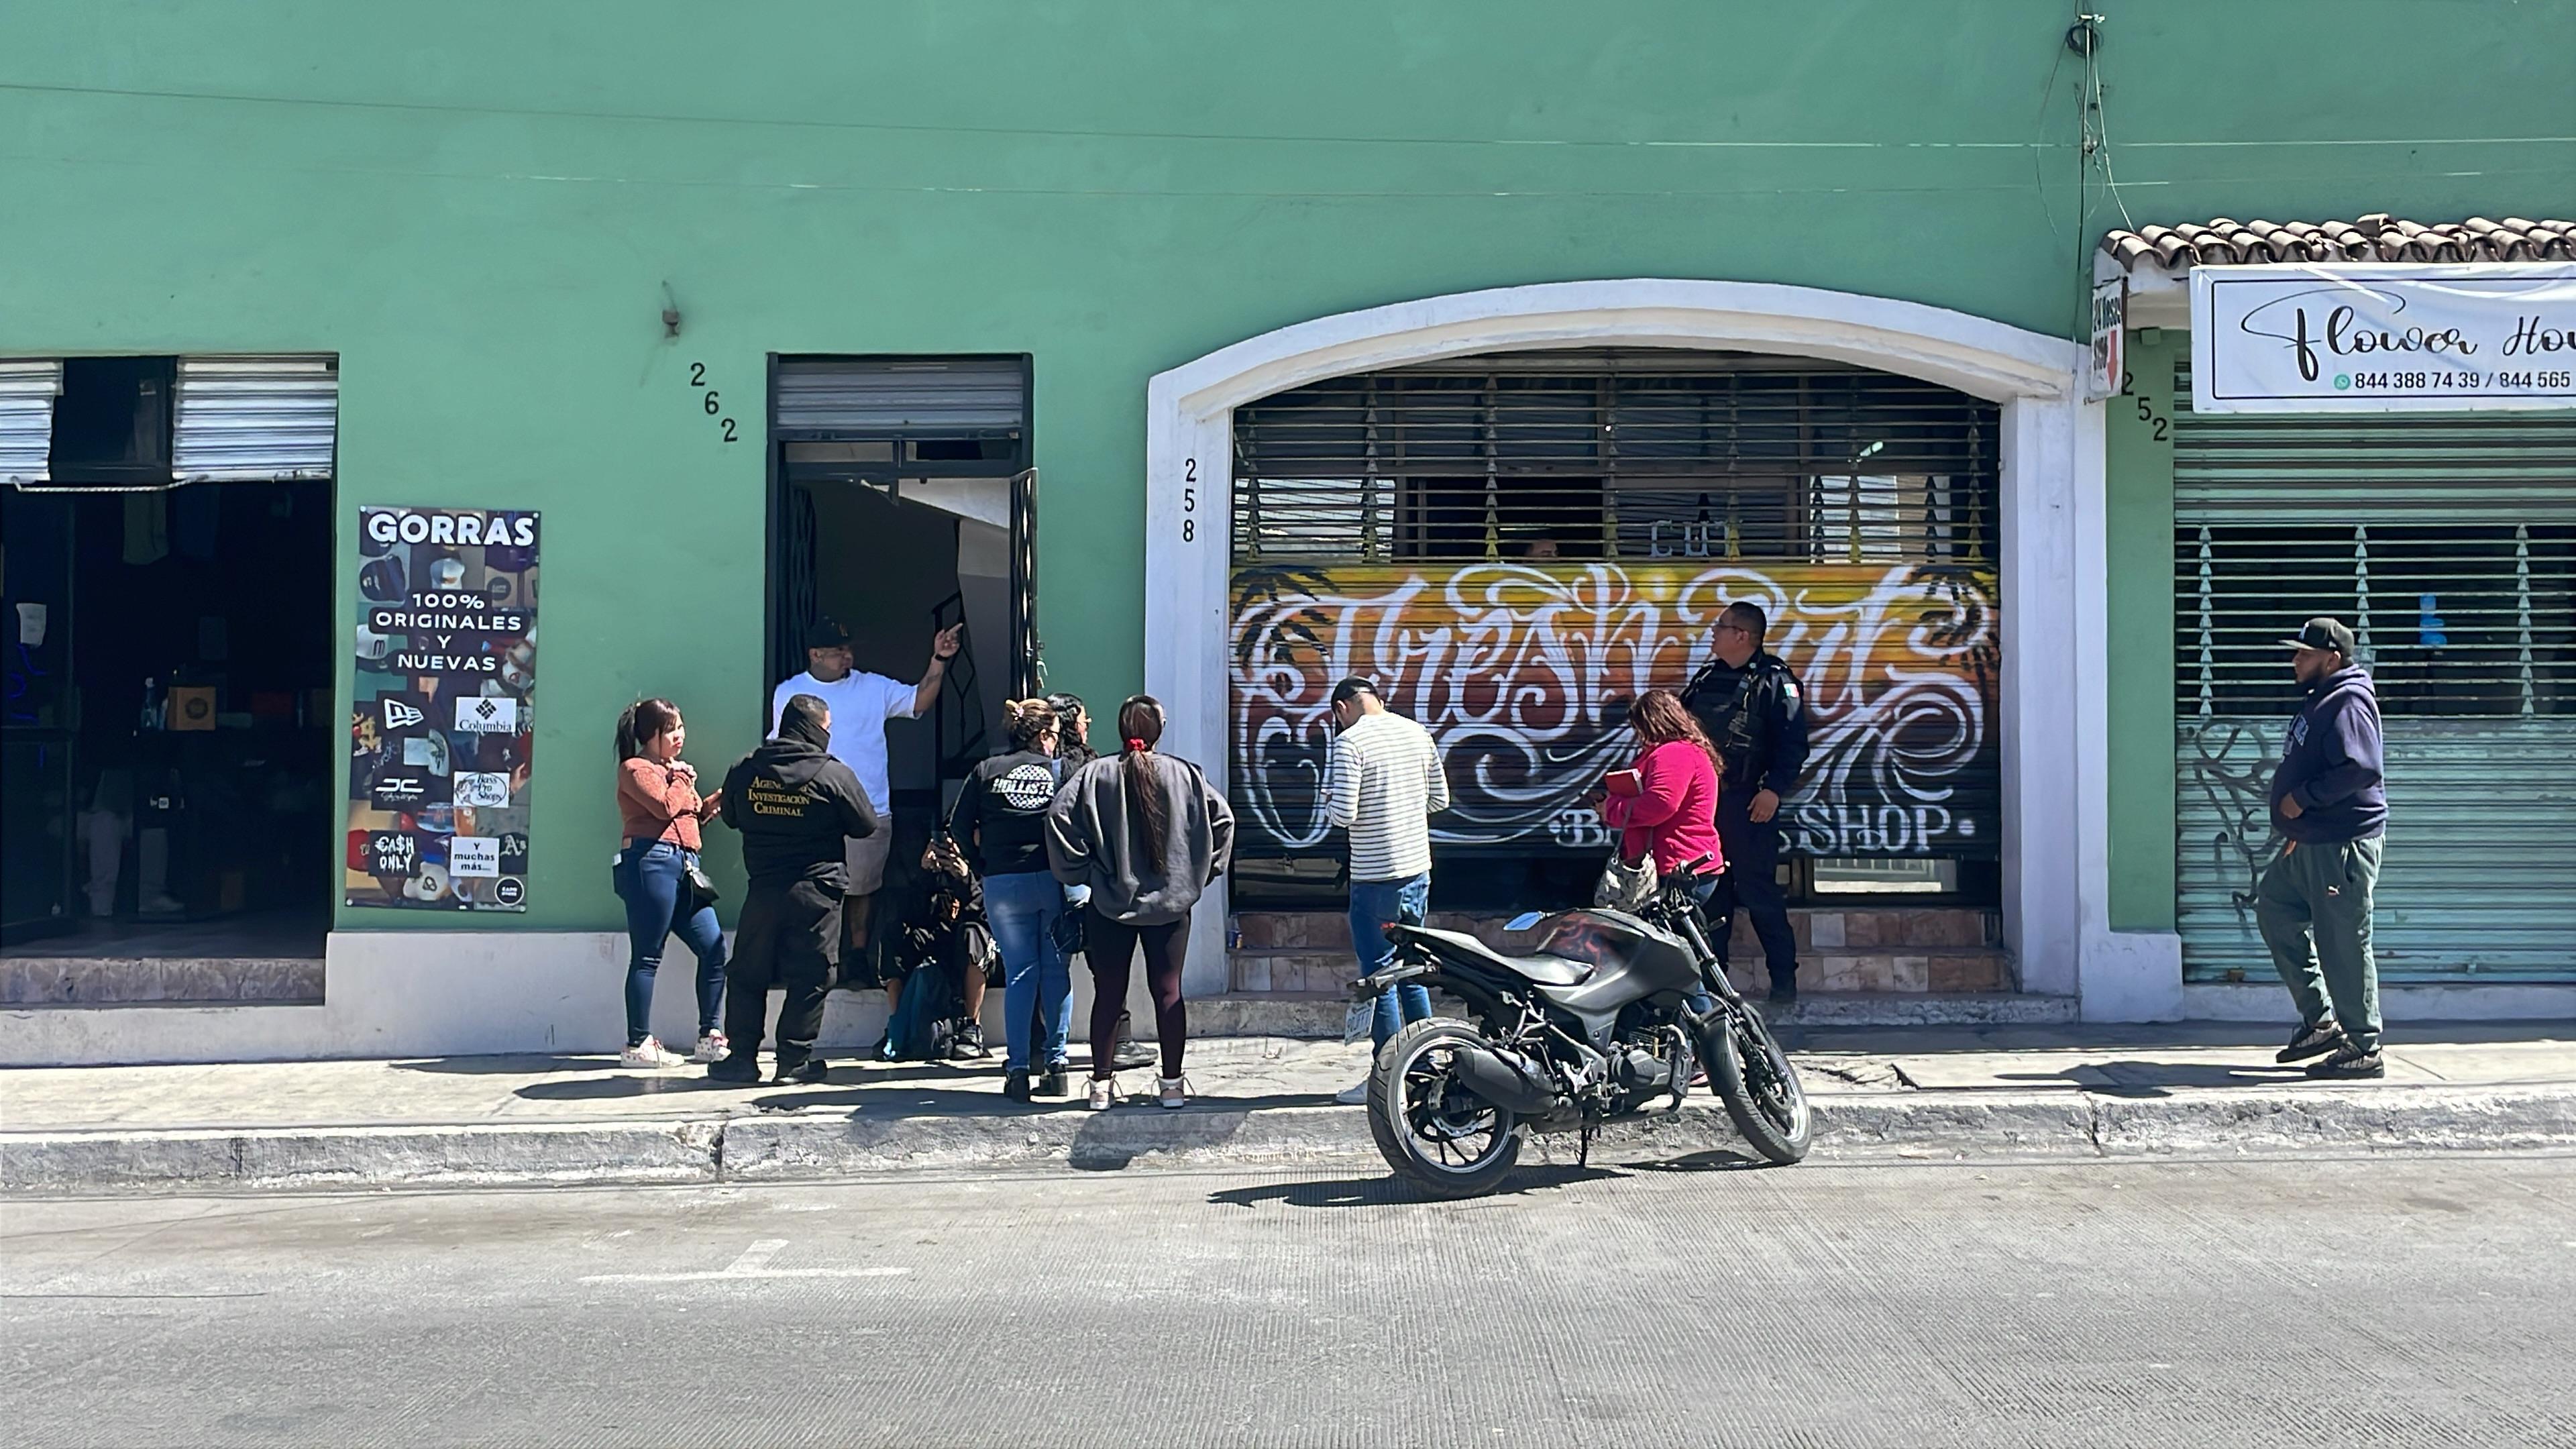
(1016, 1085)
(969, 1044)
(2349, 1065)
(740, 1068)
(807, 1072)
(2311, 1041)
(1053, 1084)
(1784, 990)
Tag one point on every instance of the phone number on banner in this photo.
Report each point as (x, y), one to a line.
(2451, 381)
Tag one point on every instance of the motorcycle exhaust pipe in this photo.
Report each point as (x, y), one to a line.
(1506, 1079)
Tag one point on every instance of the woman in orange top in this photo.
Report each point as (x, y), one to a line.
(659, 809)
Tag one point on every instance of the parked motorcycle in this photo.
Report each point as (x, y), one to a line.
(1611, 1016)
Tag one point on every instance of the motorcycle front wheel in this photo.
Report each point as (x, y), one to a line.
(1751, 1074)
(1436, 1134)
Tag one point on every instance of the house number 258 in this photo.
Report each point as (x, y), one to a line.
(1189, 500)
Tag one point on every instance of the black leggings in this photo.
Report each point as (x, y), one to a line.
(1111, 949)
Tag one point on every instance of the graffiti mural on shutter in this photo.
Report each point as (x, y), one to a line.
(1523, 672)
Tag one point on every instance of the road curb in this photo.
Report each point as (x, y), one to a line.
(780, 1147)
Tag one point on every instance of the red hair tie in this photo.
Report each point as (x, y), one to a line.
(1134, 743)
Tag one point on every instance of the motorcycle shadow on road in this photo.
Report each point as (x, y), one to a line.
(1391, 1191)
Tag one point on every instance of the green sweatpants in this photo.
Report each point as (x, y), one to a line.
(2314, 906)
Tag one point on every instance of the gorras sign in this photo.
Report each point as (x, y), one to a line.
(2383, 337)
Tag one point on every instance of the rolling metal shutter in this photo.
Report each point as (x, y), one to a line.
(2449, 544)
(1647, 454)
(1386, 506)
(830, 399)
(255, 419)
(28, 387)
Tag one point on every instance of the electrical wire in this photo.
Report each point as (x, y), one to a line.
(1212, 193)
(2102, 127)
(1267, 138)
(2038, 135)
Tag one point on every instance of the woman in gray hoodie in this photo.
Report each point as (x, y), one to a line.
(1147, 834)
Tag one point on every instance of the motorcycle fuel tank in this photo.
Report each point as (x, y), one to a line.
(1613, 941)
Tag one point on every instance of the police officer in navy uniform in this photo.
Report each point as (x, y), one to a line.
(1752, 708)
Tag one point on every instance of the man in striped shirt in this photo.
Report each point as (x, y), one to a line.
(1383, 785)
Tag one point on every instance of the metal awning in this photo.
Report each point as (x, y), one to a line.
(28, 387)
(255, 419)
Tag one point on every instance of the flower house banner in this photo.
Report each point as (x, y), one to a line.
(1524, 675)
(2383, 337)
(443, 708)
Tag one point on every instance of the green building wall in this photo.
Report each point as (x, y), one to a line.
(2138, 468)
(479, 205)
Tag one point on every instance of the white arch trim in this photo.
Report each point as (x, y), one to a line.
(2056, 851)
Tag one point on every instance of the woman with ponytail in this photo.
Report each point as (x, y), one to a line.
(1147, 834)
(657, 875)
(1000, 821)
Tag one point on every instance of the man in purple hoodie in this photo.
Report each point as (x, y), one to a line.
(2330, 806)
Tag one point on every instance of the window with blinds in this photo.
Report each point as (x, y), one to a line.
(2448, 543)
(1616, 455)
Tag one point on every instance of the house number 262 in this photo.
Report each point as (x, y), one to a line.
(710, 402)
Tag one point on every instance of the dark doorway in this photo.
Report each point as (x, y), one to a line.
(169, 744)
(166, 694)
(903, 503)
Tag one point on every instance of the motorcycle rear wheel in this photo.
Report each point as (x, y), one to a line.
(1751, 1074)
(1448, 1147)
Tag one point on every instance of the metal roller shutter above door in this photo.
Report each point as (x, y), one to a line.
(255, 419)
(2449, 544)
(829, 399)
(28, 387)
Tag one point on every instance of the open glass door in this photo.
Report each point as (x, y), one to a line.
(37, 721)
(1028, 657)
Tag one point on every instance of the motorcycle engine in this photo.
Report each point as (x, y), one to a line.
(1641, 1073)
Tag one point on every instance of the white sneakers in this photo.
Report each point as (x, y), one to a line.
(650, 1055)
(711, 1048)
(1355, 1095)
(1175, 1092)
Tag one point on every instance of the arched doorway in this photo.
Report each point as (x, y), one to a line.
(2052, 852)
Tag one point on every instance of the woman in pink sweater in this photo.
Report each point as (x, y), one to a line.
(658, 809)
(1674, 812)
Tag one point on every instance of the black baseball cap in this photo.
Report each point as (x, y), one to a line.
(1352, 688)
(825, 634)
(2322, 633)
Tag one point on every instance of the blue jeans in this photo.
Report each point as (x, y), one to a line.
(1037, 982)
(1375, 903)
(652, 878)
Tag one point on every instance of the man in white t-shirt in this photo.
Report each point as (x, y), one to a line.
(861, 703)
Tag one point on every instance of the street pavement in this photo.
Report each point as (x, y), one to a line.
(2398, 1300)
(1259, 1102)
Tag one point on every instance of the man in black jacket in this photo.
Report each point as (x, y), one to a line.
(795, 806)
(1747, 701)
(2330, 805)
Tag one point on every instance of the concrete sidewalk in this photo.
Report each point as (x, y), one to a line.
(1919, 1092)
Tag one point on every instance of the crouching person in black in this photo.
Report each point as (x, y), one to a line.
(794, 804)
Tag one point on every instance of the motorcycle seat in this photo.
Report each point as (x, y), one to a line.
(1458, 946)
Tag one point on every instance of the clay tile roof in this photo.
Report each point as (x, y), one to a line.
(2374, 238)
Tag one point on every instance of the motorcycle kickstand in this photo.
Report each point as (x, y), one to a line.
(1583, 1148)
